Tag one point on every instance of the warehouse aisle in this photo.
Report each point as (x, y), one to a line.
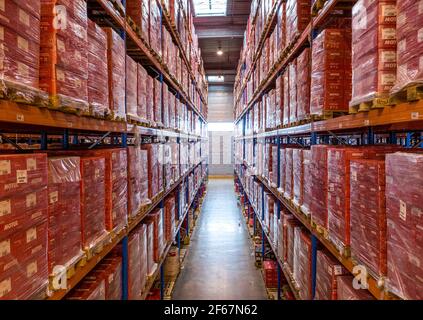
(220, 262)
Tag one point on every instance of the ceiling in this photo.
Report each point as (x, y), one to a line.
(226, 32)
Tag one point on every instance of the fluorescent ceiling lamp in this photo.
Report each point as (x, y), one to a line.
(205, 8)
(221, 126)
(216, 78)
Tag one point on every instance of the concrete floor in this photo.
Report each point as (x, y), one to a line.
(220, 261)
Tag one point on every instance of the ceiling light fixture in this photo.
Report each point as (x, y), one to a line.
(219, 50)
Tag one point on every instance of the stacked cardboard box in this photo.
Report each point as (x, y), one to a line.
(403, 209)
(346, 291)
(298, 16)
(170, 218)
(374, 65)
(23, 225)
(293, 92)
(319, 185)
(302, 263)
(142, 93)
(64, 211)
(289, 177)
(64, 53)
(303, 85)
(156, 217)
(328, 269)
(89, 290)
(270, 274)
(98, 88)
(298, 176)
(134, 266)
(307, 182)
(131, 94)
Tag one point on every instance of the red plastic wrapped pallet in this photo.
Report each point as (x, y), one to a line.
(20, 43)
(150, 99)
(270, 274)
(142, 93)
(134, 180)
(319, 185)
(134, 266)
(330, 71)
(138, 11)
(159, 241)
(157, 89)
(293, 92)
(368, 215)
(298, 176)
(307, 186)
(142, 229)
(374, 66)
(151, 265)
(169, 218)
(116, 186)
(64, 211)
(23, 263)
(292, 224)
(89, 290)
(298, 16)
(410, 45)
(64, 53)
(286, 97)
(98, 87)
(165, 105)
(328, 269)
(346, 291)
(282, 170)
(93, 203)
(117, 73)
(289, 179)
(404, 204)
(132, 88)
(303, 84)
(274, 180)
(279, 102)
(155, 28)
(302, 263)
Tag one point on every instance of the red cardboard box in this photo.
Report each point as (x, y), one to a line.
(293, 83)
(308, 184)
(298, 176)
(319, 185)
(132, 88)
(302, 263)
(303, 84)
(89, 290)
(142, 93)
(134, 266)
(346, 291)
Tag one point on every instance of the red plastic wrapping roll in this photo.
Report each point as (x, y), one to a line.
(410, 44)
(98, 87)
(298, 16)
(116, 187)
(289, 179)
(404, 204)
(131, 88)
(374, 66)
(134, 266)
(117, 73)
(293, 103)
(346, 291)
(307, 180)
(330, 71)
(23, 262)
(64, 211)
(93, 195)
(64, 52)
(328, 269)
(303, 84)
(319, 185)
(142, 93)
(368, 215)
(298, 176)
(302, 263)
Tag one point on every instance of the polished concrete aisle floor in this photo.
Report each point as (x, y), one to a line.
(220, 261)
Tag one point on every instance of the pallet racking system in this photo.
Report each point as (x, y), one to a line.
(400, 124)
(42, 125)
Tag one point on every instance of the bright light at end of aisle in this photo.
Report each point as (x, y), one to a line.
(204, 8)
(221, 126)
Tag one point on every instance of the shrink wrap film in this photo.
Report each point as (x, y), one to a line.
(345, 290)
(374, 65)
(156, 217)
(282, 170)
(165, 106)
(319, 185)
(270, 274)
(303, 84)
(64, 211)
(170, 222)
(98, 88)
(298, 16)
(150, 99)
(368, 215)
(302, 263)
(293, 94)
(132, 88)
(134, 266)
(157, 89)
(279, 102)
(290, 226)
(404, 224)
(23, 262)
(298, 176)
(328, 269)
(156, 28)
(117, 73)
(151, 265)
(142, 93)
(142, 229)
(135, 180)
(93, 195)
(138, 11)
(286, 98)
(274, 165)
(410, 44)
(89, 290)
(289, 181)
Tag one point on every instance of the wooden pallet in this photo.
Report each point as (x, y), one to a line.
(99, 245)
(22, 94)
(69, 105)
(343, 250)
(328, 115)
(70, 270)
(365, 106)
(317, 6)
(118, 7)
(410, 93)
(321, 230)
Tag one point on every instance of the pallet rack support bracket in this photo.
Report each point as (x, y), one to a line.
(65, 142)
(393, 138)
(18, 147)
(313, 138)
(314, 244)
(370, 136)
(44, 142)
(409, 140)
(125, 268)
(162, 284)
